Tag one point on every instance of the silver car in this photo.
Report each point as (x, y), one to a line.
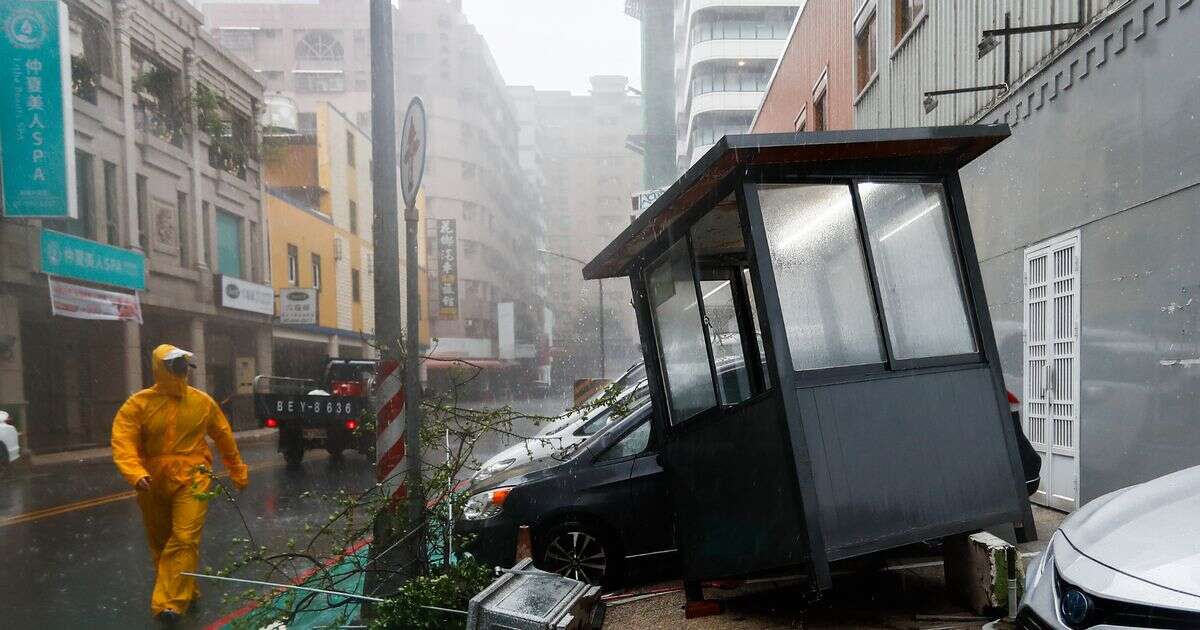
(1128, 559)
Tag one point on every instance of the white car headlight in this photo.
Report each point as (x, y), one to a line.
(485, 504)
(495, 467)
(1043, 563)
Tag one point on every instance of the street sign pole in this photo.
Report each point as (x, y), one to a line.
(412, 167)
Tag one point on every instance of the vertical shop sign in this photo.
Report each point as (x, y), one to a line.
(447, 248)
(37, 137)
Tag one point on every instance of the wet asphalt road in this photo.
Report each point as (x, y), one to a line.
(72, 548)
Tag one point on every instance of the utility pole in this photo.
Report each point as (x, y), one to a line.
(385, 234)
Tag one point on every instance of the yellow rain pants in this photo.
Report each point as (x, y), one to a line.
(159, 434)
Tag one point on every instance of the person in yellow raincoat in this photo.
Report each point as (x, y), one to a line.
(158, 446)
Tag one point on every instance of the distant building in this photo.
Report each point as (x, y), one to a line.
(319, 52)
(724, 55)
(589, 175)
(168, 174)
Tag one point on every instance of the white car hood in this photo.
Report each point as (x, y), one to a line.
(1150, 531)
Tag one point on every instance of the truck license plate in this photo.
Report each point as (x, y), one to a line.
(314, 434)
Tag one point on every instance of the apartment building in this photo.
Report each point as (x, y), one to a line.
(725, 53)
(168, 181)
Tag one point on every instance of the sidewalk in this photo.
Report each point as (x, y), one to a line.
(907, 592)
(93, 454)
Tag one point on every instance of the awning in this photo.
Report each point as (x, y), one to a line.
(925, 148)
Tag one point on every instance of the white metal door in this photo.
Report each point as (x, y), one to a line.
(1051, 355)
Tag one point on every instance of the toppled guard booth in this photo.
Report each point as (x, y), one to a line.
(838, 270)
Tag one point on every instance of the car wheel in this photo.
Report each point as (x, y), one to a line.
(579, 551)
(293, 453)
(5, 464)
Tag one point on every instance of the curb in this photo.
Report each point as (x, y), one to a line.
(94, 454)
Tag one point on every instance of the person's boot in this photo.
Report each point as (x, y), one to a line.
(169, 617)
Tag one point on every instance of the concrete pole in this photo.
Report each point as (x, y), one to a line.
(332, 349)
(12, 367)
(263, 350)
(200, 373)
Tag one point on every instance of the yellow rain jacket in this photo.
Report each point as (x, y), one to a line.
(159, 433)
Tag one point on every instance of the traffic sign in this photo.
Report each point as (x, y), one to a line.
(412, 152)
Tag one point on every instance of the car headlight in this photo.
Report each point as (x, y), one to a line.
(485, 504)
(1039, 567)
(491, 469)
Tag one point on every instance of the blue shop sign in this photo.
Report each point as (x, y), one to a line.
(37, 134)
(74, 257)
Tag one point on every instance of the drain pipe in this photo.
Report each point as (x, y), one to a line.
(1013, 569)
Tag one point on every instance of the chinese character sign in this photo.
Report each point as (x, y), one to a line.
(73, 257)
(36, 119)
(447, 272)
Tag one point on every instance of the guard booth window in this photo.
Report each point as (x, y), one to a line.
(837, 290)
(677, 317)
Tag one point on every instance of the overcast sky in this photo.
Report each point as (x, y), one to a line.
(558, 44)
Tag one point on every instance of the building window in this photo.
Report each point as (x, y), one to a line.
(319, 46)
(112, 209)
(316, 271)
(91, 53)
(907, 14)
(307, 122)
(256, 258)
(801, 119)
(159, 99)
(350, 148)
(181, 226)
(355, 285)
(311, 81)
(142, 199)
(819, 102)
(229, 244)
(866, 51)
(236, 38)
(293, 265)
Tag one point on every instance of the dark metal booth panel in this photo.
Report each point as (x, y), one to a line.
(889, 463)
(821, 468)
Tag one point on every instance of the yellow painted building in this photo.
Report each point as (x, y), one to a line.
(319, 208)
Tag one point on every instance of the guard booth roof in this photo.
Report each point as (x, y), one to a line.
(914, 149)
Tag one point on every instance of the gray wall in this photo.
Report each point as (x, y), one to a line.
(1106, 140)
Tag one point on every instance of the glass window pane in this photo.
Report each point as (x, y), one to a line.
(821, 275)
(633, 444)
(725, 337)
(681, 334)
(916, 266)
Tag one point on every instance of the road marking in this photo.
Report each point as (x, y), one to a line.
(84, 504)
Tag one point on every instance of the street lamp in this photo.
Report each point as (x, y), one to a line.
(601, 281)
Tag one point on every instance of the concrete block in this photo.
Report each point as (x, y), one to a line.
(976, 568)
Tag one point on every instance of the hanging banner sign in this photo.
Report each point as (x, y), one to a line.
(298, 306)
(247, 296)
(447, 260)
(37, 135)
(643, 200)
(73, 300)
(79, 258)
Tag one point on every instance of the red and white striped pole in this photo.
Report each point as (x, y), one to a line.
(389, 428)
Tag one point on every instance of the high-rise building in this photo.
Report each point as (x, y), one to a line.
(319, 51)
(724, 56)
(589, 174)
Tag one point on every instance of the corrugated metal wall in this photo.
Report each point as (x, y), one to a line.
(940, 53)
